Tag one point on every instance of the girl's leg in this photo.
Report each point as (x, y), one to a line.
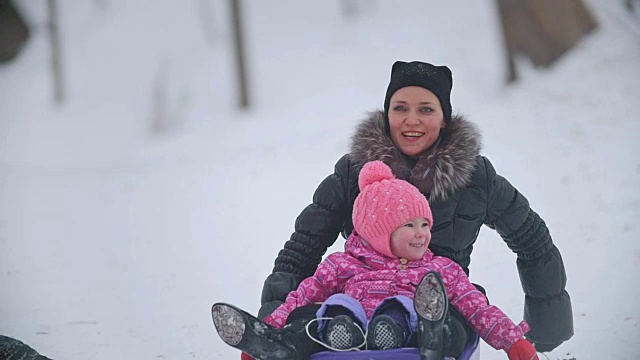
(298, 319)
(341, 304)
(393, 324)
(456, 333)
(340, 322)
(431, 305)
(401, 310)
(245, 332)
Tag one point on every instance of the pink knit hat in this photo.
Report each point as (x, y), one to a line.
(384, 204)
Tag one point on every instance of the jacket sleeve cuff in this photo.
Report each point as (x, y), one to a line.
(268, 308)
(278, 285)
(550, 318)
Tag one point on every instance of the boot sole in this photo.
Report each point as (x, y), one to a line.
(245, 332)
(431, 305)
(430, 300)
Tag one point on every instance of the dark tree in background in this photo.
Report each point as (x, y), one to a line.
(14, 31)
(56, 51)
(236, 18)
(542, 30)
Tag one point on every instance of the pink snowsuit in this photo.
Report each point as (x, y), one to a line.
(370, 277)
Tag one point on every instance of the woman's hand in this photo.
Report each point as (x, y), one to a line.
(522, 350)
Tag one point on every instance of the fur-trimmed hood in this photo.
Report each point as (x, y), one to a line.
(440, 171)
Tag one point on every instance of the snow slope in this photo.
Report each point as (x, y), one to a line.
(127, 211)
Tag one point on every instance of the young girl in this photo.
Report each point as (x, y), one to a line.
(387, 289)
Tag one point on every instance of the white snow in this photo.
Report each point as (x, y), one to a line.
(116, 238)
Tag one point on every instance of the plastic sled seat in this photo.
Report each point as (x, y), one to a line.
(471, 352)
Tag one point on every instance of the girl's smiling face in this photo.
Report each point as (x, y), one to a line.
(410, 241)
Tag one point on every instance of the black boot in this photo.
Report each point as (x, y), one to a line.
(385, 333)
(456, 333)
(431, 305)
(245, 332)
(343, 334)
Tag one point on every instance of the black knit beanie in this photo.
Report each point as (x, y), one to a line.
(437, 79)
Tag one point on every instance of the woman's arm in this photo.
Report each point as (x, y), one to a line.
(547, 303)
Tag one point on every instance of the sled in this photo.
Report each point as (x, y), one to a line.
(240, 330)
(471, 352)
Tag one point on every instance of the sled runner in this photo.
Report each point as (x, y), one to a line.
(245, 332)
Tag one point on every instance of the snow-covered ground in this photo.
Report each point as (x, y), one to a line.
(116, 237)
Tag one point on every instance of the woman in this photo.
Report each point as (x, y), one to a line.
(423, 143)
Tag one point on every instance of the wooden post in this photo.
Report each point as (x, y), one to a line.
(239, 54)
(56, 52)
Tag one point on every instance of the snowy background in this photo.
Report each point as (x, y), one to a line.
(147, 196)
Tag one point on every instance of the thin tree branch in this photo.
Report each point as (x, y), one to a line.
(56, 52)
(239, 53)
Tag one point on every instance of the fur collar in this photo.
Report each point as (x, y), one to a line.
(442, 170)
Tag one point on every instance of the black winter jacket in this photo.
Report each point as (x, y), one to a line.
(464, 192)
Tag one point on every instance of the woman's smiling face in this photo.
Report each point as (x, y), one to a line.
(415, 119)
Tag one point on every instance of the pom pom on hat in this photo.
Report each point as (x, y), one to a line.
(384, 204)
(372, 172)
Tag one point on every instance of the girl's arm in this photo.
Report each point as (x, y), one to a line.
(314, 289)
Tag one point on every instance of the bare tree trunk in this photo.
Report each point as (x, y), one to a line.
(160, 100)
(239, 53)
(56, 52)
